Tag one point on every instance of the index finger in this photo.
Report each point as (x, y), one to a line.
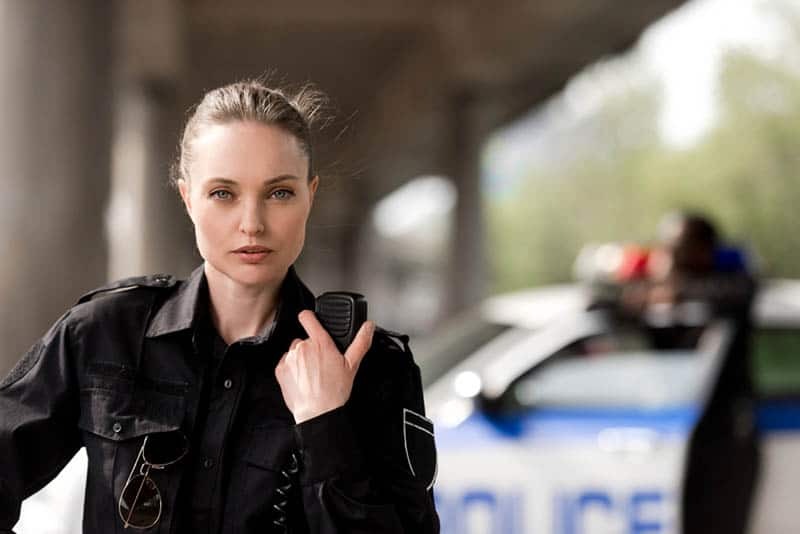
(360, 345)
(313, 327)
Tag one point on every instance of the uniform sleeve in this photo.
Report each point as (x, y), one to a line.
(369, 467)
(38, 421)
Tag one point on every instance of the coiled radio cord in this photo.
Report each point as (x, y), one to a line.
(283, 494)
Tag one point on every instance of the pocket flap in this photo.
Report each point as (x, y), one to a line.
(121, 414)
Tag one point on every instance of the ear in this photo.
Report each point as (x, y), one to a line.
(183, 188)
(312, 187)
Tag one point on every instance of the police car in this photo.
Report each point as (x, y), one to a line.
(553, 418)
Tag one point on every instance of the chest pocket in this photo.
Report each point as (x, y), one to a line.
(116, 414)
(118, 410)
(267, 489)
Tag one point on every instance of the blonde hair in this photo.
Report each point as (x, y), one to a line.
(252, 100)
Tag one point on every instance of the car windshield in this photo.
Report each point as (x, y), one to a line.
(451, 344)
(618, 369)
(648, 379)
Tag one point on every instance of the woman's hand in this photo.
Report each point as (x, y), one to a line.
(314, 376)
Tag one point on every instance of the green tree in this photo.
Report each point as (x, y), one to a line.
(621, 178)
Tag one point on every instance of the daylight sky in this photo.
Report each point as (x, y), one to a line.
(686, 47)
(683, 51)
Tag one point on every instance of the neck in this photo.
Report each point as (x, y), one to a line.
(239, 311)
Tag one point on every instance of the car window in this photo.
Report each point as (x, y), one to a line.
(776, 362)
(613, 370)
(454, 342)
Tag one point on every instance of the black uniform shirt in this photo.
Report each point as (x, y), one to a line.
(140, 358)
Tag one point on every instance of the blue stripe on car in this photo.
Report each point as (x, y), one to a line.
(569, 424)
(564, 424)
(778, 416)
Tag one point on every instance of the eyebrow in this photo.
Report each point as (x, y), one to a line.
(267, 183)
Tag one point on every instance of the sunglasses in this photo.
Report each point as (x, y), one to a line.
(140, 502)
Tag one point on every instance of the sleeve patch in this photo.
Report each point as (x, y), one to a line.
(420, 446)
(23, 366)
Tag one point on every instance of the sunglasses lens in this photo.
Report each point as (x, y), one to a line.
(140, 503)
(165, 448)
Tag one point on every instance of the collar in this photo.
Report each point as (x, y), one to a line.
(184, 307)
(180, 309)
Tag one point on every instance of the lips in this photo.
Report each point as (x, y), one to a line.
(252, 254)
(252, 250)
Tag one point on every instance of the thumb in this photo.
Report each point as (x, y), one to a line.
(360, 345)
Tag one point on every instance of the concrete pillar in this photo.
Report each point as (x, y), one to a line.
(323, 264)
(148, 228)
(467, 283)
(54, 157)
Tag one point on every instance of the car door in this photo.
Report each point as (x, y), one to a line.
(590, 438)
(776, 365)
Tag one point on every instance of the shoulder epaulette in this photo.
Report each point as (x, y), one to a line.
(126, 284)
(395, 337)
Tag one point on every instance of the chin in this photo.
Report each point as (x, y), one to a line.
(258, 275)
(252, 275)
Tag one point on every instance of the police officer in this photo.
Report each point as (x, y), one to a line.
(723, 457)
(220, 404)
(688, 265)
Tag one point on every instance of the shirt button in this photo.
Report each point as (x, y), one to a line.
(228, 384)
(117, 428)
(208, 463)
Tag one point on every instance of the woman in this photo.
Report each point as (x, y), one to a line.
(220, 404)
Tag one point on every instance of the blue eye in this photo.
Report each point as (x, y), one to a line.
(282, 194)
(221, 194)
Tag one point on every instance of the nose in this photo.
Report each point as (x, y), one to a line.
(252, 221)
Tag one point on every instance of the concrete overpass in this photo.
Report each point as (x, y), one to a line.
(94, 95)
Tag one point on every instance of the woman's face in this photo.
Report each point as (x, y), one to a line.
(249, 198)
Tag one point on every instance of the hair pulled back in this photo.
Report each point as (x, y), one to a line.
(252, 100)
